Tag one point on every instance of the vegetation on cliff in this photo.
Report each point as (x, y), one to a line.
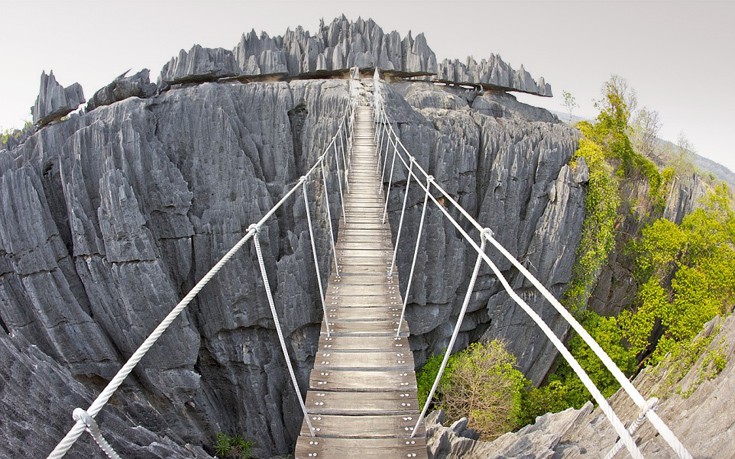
(683, 272)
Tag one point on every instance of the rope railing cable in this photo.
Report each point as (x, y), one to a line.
(390, 183)
(329, 219)
(455, 332)
(338, 173)
(316, 260)
(104, 396)
(281, 339)
(400, 223)
(429, 181)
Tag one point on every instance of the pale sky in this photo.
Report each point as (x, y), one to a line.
(679, 56)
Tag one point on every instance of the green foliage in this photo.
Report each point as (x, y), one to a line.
(482, 385)
(232, 446)
(684, 272)
(6, 134)
(425, 378)
(598, 230)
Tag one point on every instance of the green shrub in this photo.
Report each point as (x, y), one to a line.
(232, 446)
(482, 385)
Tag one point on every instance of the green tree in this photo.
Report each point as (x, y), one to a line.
(482, 385)
(570, 102)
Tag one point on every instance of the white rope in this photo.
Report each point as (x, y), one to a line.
(271, 303)
(429, 181)
(390, 183)
(650, 405)
(329, 220)
(344, 159)
(316, 260)
(455, 333)
(339, 181)
(400, 223)
(91, 427)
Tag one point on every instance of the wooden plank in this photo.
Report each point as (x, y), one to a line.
(369, 448)
(363, 343)
(331, 360)
(362, 302)
(355, 403)
(390, 426)
(362, 380)
(367, 327)
(364, 313)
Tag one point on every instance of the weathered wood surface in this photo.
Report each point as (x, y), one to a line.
(362, 390)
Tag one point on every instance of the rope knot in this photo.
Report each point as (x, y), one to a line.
(81, 415)
(430, 179)
(487, 233)
(302, 179)
(254, 227)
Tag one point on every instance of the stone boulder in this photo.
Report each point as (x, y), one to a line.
(121, 88)
(55, 101)
(199, 65)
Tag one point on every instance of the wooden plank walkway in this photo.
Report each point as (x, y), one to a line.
(362, 391)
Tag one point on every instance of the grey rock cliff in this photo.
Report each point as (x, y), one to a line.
(492, 72)
(198, 65)
(339, 46)
(511, 173)
(109, 218)
(121, 88)
(55, 101)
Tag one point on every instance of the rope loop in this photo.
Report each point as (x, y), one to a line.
(80, 414)
(430, 179)
(302, 179)
(486, 234)
(254, 227)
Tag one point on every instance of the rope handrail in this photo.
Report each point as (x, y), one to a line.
(84, 419)
(385, 125)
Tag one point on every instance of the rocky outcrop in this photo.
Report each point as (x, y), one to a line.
(121, 88)
(109, 218)
(537, 440)
(691, 403)
(493, 73)
(338, 46)
(616, 287)
(55, 101)
(511, 173)
(37, 394)
(199, 65)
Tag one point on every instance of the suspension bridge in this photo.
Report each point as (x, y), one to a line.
(361, 398)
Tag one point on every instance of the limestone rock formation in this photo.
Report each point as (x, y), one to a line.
(339, 46)
(109, 218)
(121, 88)
(511, 173)
(198, 65)
(492, 72)
(55, 101)
(537, 440)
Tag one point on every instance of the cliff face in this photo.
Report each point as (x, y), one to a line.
(109, 218)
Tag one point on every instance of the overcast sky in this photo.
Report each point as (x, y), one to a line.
(679, 56)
